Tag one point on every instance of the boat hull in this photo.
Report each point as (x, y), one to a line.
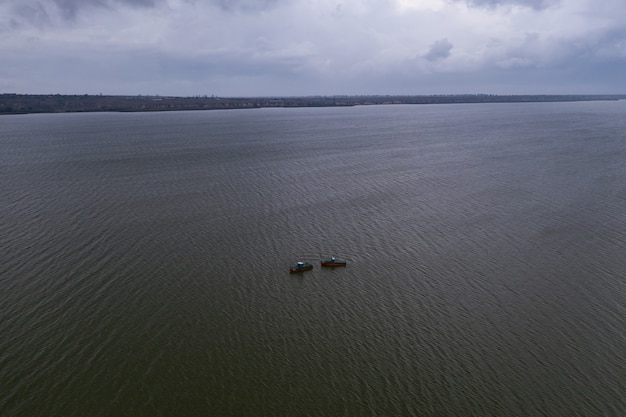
(301, 268)
(333, 264)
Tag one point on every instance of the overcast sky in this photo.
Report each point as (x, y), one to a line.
(312, 47)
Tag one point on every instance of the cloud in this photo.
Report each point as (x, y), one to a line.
(533, 4)
(69, 8)
(292, 47)
(45, 13)
(439, 50)
(245, 5)
(35, 14)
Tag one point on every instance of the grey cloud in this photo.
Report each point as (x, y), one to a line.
(76, 4)
(245, 5)
(42, 13)
(35, 14)
(264, 47)
(533, 4)
(69, 8)
(439, 50)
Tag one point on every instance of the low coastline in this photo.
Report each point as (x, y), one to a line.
(57, 103)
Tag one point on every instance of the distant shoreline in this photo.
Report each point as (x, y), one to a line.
(57, 103)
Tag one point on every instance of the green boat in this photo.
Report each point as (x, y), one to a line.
(333, 262)
(301, 267)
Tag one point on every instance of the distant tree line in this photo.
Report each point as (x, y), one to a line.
(57, 103)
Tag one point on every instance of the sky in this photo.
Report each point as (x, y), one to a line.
(234, 48)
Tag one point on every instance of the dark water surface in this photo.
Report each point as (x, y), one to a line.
(144, 262)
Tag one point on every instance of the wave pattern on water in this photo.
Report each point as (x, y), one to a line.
(144, 262)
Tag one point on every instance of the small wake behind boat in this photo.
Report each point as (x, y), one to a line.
(301, 267)
(333, 262)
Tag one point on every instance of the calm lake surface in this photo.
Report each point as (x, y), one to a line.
(144, 262)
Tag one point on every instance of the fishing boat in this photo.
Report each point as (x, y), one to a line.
(333, 262)
(301, 267)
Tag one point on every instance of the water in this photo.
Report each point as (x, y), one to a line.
(144, 262)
